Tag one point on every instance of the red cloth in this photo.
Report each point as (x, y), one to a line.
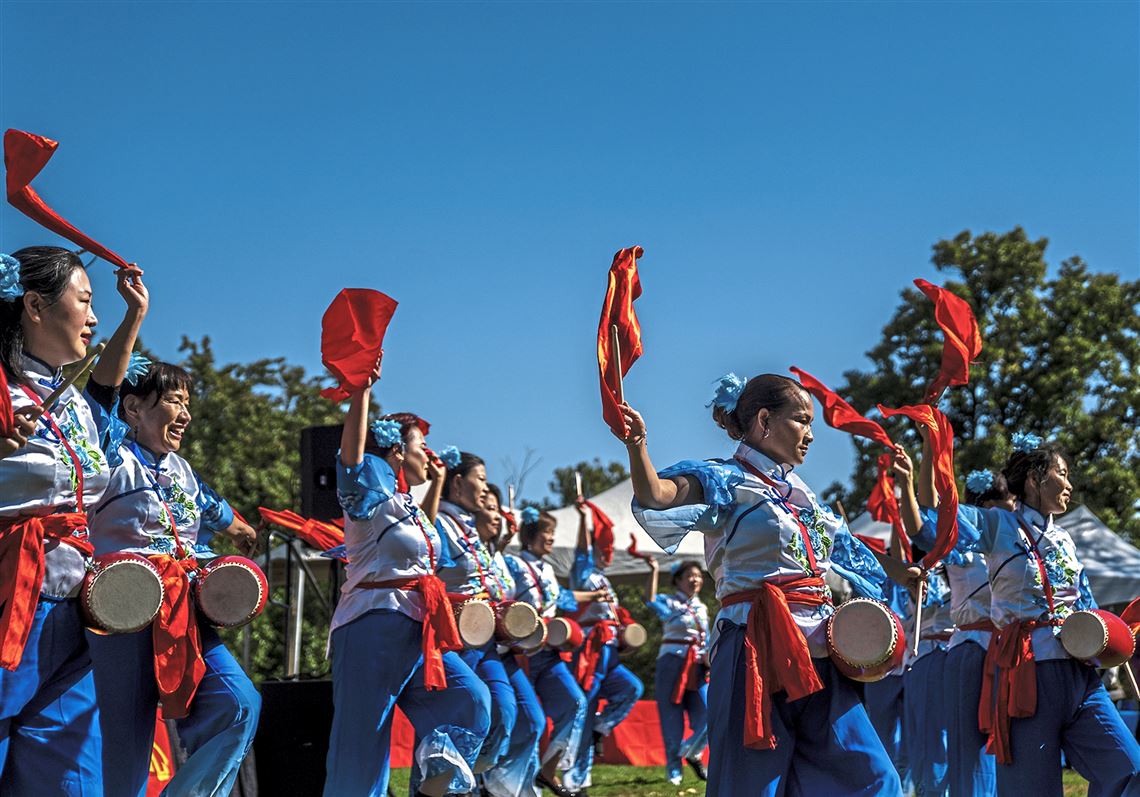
(25, 155)
(962, 342)
(352, 338)
(617, 309)
(1131, 615)
(632, 549)
(22, 574)
(776, 654)
(591, 650)
(874, 543)
(603, 544)
(320, 535)
(838, 413)
(1009, 686)
(883, 504)
(942, 451)
(7, 419)
(440, 634)
(690, 674)
(178, 662)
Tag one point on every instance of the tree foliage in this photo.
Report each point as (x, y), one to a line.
(596, 478)
(1061, 358)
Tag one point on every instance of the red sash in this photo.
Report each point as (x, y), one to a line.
(178, 662)
(600, 635)
(690, 677)
(440, 633)
(776, 653)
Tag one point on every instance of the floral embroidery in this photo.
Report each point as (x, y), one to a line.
(813, 521)
(181, 506)
(91, 458)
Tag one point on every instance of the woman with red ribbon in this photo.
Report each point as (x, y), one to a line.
(52, 470)
(157, 506)
(1036, 700)
(783, 716)
(393, 634)
(682, 674)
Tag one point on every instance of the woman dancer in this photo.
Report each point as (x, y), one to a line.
(393, 630)
(51, 471)
(681, 683)
(770, 542)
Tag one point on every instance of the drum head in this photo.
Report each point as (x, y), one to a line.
(1084, 635)
(476, 621)
(863, 633)
(557, 632)
(519, 620)
(229, 595)
(634, 635)
(124, 596)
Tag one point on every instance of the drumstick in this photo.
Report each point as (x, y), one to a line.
(511, 498)
(85, 365)
(918, 617)
(1129, 678)
(615, 355)
(578, 483)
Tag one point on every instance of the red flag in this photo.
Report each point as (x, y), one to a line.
(352, 338)
(839, 414)
(322, 536)
(962, 341)
(603, 535)
(617, 310)
(25, 155)
(942, 451)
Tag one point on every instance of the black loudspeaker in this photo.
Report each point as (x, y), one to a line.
(293, 737)
(319, 445)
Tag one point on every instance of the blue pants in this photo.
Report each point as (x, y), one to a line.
(49, 723)
(884, 703)
(486, 663)
(513, 775)
(694, 702)
(377, 664)
(1074, 715)
(217, 733)
(621, 690)
(972, 769)
(825, 745)
(563, 701)
(926, 722)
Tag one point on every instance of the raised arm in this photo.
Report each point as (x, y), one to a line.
(926, 495)
(908, 506)
(437, 475)
(651, 583)
(356, 423)
(583, 544)
(116, 357)
(651, 491)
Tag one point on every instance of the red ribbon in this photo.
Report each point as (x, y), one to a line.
(603, 535)
(962, 342)
(320, 535)
(776, 653)
(617, 309)
(690, 673)
(352, 338)
(600, 635)
(22, 574)
(632, 549)
(1009, 685)
(25, 155)
(440, 634)
(883, 504)
(178, 662)
(839, 414)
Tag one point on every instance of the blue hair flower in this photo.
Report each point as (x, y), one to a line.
(449, 456)
(728, 390)
(530, 515)
(10, 287)
(978, 481)
(1024, 442)
(137, 368)
(387, 433)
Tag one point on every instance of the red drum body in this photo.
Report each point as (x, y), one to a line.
(632, 636)
(533, 643)
(231, 591)
(515, 621)
(475, 620)
(564, 634)
(122, 594)
(865, 640)
(1098, 638)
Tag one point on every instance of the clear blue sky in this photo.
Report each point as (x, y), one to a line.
(786, 167)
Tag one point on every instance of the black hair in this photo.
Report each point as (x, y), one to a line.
(46, 270)
(997, 491)
(684, 568)
(407, 420)
(766, 391)
(159, 379)
(495, 491)
(467, 463)
(1024, 464)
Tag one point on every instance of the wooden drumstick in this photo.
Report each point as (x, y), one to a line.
(85, 365)
(918, 616)
(615, 357)
(511, 498)
(578, 483)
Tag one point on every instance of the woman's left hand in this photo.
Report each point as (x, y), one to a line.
(244, 536)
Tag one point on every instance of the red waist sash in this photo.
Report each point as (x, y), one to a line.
(978, 625)
(603, 632)
(178, 662)
(776, 653)
(690, 677)
(22, 573)
(440, 633)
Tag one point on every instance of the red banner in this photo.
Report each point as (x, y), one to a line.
(617, 310)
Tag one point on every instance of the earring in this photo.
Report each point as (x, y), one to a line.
(767, 431)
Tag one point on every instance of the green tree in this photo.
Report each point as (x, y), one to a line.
(1061, 358)
(596, 478)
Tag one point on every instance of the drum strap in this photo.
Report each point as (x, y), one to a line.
(795, 513)
(473, 552)
(772, 636)
(22, 573)
(542, 601)
(440, 634)
(153, 479)
(1033, 540)
(75, 461)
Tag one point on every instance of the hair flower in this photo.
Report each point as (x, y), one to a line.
(137, 368)
(529, 515)
(1024, 442)
(978, 481)
(449, 456)
(10, 287)
(387, 433)
(728, 390)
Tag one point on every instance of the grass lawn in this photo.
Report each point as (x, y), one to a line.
(614, 781)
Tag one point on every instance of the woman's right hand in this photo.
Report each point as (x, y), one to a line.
(634, 425)
(23, 428)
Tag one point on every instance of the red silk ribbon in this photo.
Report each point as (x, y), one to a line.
(617, 309)
(839, 414)
(962, 342)
(601, 634)
(1009, 685)
(690, 677)
(603, 539)
(320, 535)
(440, 634)
(352, 338)
(178, 662)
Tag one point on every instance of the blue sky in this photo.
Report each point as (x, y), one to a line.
(786, 167)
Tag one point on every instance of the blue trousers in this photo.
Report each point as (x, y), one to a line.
(884, 703)
(694, 703)
(621, 689)
(377, 664)
(1074, 715)
(563, 701)
(926, 723)
(513, 775)
(972, 770)
(49, 722)
(486, 663)
(825, 744)
(217, 733)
